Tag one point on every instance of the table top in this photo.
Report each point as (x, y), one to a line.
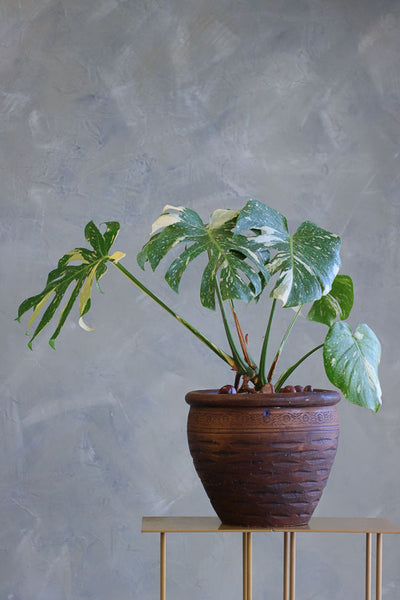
(316, 525)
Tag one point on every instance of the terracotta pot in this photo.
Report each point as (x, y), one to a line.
(263, 459)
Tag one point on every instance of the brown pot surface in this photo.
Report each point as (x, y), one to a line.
(263, 459)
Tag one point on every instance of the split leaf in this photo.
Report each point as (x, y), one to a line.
(235, 262)
(82, 276)
(307, 262)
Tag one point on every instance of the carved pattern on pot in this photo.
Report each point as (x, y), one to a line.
(275, 417)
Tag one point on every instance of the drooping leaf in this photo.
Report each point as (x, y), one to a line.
(337, 304)
(82, 276)
(234, 262)
(351, 363)
(307, 262)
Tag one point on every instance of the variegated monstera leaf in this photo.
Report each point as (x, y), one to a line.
(351, 359)
(90, 268)
(351, 363)
(337, 304)
(235, 263)
(306, 262)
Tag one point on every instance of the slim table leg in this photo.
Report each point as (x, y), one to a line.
(286, 566)
(163, 565)
(368, 563)
(245, 574)
(292, 565)
(378, 566)
(247, 566)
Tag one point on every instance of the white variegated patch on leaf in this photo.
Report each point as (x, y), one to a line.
(222, 216)
(351, 363)
(117, 256)
(83, 325)
(90, 268)
(270, 225)
(167, 218)
(233, 261)
(306, 263)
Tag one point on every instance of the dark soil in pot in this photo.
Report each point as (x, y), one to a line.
(263, 459)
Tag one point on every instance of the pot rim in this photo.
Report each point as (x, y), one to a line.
(212, 398)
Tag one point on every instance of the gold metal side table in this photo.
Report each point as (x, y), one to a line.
(369, 527)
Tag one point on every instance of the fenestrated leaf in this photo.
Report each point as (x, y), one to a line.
(77, 254)
(178, 266)
(307, 262)
(264, 219)
(162, 242)
(207, 285)
(237, 287)
(64, 314)
(351, 363)
(91, 268)
(337, 304)
(95, 239)
(235, 262)
(184, 225)
(111, 232)
(101, 242)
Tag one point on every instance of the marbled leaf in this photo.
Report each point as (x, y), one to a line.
(306, 263)
(82, 276)
(234, 262)
(337, 304)
(351, 363)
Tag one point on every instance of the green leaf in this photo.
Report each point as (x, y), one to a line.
(351, 363)
(64, 314)
(111, 232)
(257, 216)
(237, 287)
(337, 304)
(95, 239)
(234, 261)
(82, 276)
(307, 262)
(207, 285)
(178, 266)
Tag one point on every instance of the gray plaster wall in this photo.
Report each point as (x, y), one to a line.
(110, 109)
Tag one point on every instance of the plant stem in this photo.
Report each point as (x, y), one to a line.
(242, 338)
(264, 348)
(285, 337)
(239, 363)
(290, 370)
(225, 357)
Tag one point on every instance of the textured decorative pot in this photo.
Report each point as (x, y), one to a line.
(263, 459)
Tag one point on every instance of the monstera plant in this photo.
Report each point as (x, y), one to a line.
(247, 252)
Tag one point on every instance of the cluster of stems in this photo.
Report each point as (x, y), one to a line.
(240, 360)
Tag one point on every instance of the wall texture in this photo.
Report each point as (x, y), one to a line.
(110, 109)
